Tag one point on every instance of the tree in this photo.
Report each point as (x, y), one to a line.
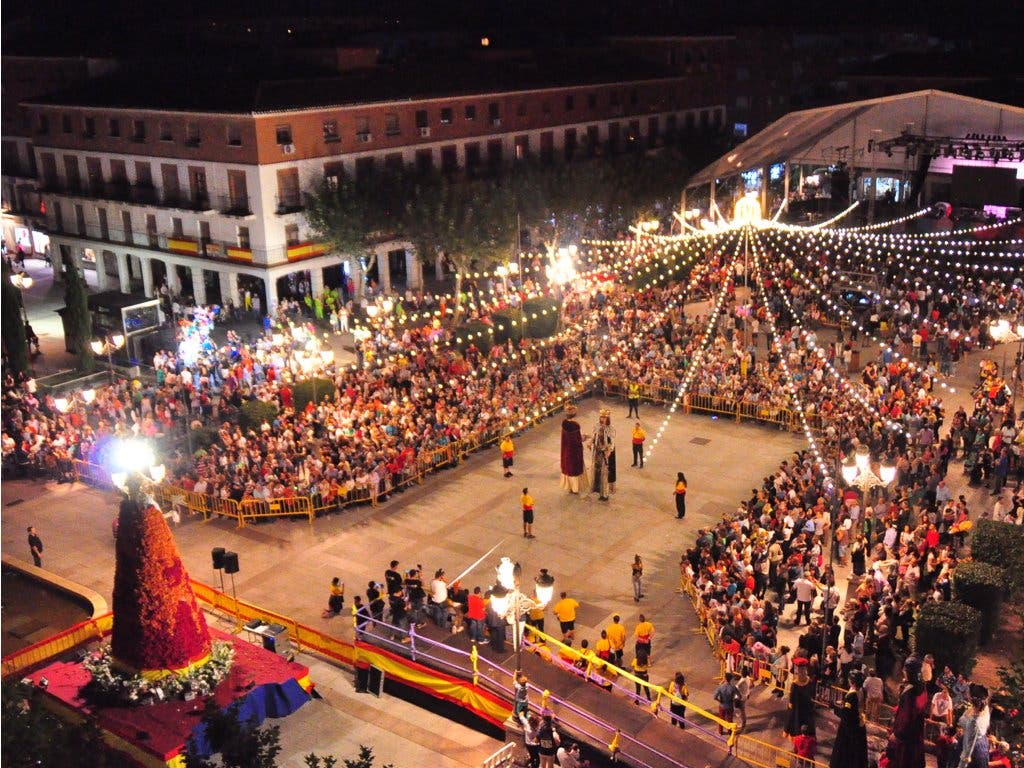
(78, 320)
(365, 760)
(348, 213)
(33, 737)
(471, 221)
(240, 744)
(10, 321)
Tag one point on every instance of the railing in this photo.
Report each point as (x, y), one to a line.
(737, 410)
(289, 203)
(503, 758)
(207, 248)
(254, 509)
(69, 639)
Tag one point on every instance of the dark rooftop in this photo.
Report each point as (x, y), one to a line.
(175, 88)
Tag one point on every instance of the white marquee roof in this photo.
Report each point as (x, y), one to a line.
(825, 135)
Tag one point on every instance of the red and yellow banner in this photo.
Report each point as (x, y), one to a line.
(188, 247)
(239, 254)
(306, 251)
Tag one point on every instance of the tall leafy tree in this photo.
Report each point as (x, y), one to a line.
(10, 321)
(471, 221)
(79, 321)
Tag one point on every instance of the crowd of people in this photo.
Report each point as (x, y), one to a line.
(415, 391)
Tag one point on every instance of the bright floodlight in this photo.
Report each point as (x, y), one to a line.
(133, 456)
(747, 209)
(507, 573)
(118, 340)
(97, 346)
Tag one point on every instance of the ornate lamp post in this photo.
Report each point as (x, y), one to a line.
(22, 281)
(107, 346)
(509, 602)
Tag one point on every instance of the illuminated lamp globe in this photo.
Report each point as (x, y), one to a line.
(545, 586)
(862, 459)
(887, 473)
(499, 599)
(850, 473)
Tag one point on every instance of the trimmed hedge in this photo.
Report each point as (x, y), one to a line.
(204, 437)
(254, 412)
(474, 332)
(543, 325)
(504, 329)
(1002, 545)
(948, 631)
(302, 392)
(980, 585)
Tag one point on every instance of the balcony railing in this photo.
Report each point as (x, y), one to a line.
(131, 193)
(207, 249)
(289, 204)
(234, 205)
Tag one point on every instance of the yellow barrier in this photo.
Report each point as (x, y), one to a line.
(62, 642)
(594, 665)
(765, 755)
(725, 406)
(253, 509)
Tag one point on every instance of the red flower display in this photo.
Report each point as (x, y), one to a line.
(157, 624)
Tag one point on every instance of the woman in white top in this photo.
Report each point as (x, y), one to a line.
(942, 706)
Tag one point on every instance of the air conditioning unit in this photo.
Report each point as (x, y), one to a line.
(288, 148)
(364, 138)
(425, 132)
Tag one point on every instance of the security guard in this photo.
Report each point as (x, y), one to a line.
(633, 398)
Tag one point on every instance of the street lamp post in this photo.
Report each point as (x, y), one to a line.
(508, 601)
(107, 346)
(22, 281)
(856, 474)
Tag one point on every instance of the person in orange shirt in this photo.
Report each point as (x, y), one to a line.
(565, 610)
(616, 633)
(643, 633)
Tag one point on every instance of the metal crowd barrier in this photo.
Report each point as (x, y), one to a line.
(91, 629)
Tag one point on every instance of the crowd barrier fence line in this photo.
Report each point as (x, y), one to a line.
(90, 629)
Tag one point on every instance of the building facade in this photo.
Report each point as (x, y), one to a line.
(211, 201)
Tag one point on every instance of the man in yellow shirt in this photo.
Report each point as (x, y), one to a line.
(643, 633)
(616, 639)
(638, 445)
(565, 610)
(527, 501)
(508, 452)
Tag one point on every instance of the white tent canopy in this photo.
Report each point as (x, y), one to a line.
(827, 135)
